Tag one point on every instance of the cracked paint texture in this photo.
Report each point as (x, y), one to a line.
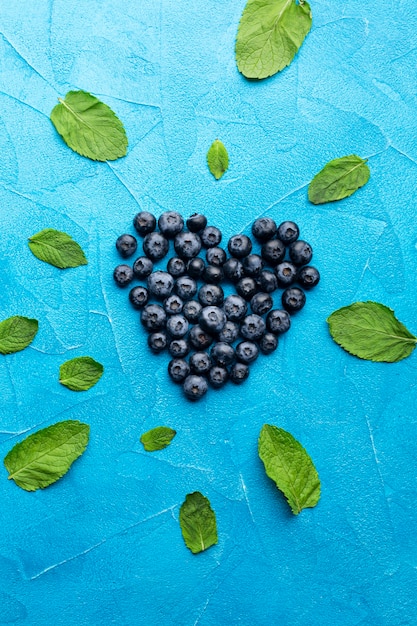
(103, 545)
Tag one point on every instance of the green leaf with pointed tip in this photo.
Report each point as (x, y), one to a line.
(81, 373)
(339, 179)
(89, 127)
(290, 467)
(270, 34)
(217, 159)
(44, 457)
(57, 248)
(157, 438)
(16, 333)
(198, 523)
(370, 331)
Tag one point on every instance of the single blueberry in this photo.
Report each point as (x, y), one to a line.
(195, 387)
(157, 341)
(246, 287)
(173, 304)
(261, 303)
(211, 295)
(278, 321)
(126, 245)
(142, 267)
(300, 252)
(247, 352)
(233, 270)
(177, 326)
(123, 275)
(286, 273)
(199, 338)
(268, 343)
(179, 348)
(253, 265)
(288, 232)
(170, 224)
(196, 222)
(213, 274)
(273, 252)
(308, 277)
(235, 308)
(191, 310)
(212, 319)
(155, 246)
(210, 236)
(252, 327)
(160, 284)
(176, 267)
(200, 363)
(187, 245)
(264, 228)
(222, 353)
(293, 299)
(216, 256)
(195, 267)
(144, 223)
(178, 369)
(153, 317)
(229, 333)
(185, 287)
(267, 281)
(138, 297)
(239, 246)
(239, 373)
(217, 376)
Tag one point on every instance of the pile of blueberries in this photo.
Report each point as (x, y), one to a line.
(221, 335)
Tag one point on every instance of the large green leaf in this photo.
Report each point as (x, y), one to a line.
(16, 333)
(198, 523)
(57, 248)
(81, 373)
(338, 179)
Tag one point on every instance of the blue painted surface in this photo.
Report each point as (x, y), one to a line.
(103, 545)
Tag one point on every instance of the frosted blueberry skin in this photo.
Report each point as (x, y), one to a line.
(212, 319)
(278, 321)
(267, 281)
(138, 297)
(222, 353)
(247, 352)
(264, 228)
(239, 246)
(230, 332)
(179, 348)
(273, 252)
(253, 265)
(191, 310)
(246, 287)
(187, 245)
(153, 317)
(286, 274)
(293, 299)
(173, 304)
(196, 222)
(123, 275)
(239, 372)
(252, 327)
(157, 341)
(177, 326)
(308, 277)
(170, 224)
(195, 267)
(261, 303)
(178, 370)
(126, 245)
(199, 338)
(211, 295)
(160, 284)
(142, 267)
(185, 287)
(200, 363)
(268, 343)
(155, 246)
(195, 387)
(213, 274)
(176, 267)
(144, 223)
(233, 270)
(217, 376)
(210, 236)
(300, 252)
(216, 256)
(288, 232)
(235, 308)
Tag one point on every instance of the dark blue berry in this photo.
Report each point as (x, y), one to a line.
(170, 224)
(126, 245)
(278, 321)
(264, 228)
(308, 277)
(239, 246)
(267, 281)
(212, 319)
(253, 265)
(261, 303)
(191, 310)
(246, 287)
(178, 348)
(300, 252)
(286, 274)
(252, 327)
(222, 353)
(268, 343)
(200, 363)
(273, 252)
(144, 223)
(176, 267)
(123, 275)
(213, 274)
(155, 246)
(211, 295)
(247, 352)
(177, 326)
(239, 373)
(196, 222)
(157, 341)
(178, 369)
(233, 270)
(293, 299)
(216, 256)
(160, 284)
(185, 287)
(288, 232)
(187, 245)
(229, 333)
(199, 338)
(235, 308)
(195, 387)
(142, 267)
(195, 267)
(210, 236)
(153, 317)
(217, 376)
(173, 304)
(139, 297)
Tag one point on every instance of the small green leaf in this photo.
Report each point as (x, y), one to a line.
(81, 373)
(338, 179)
(16, 333)
(57, 248)
(44, 457)
(370, 331)
(158, 438)
(89, 127)
(290, 467)
(217, 159)
(270, 34)
(198, 523)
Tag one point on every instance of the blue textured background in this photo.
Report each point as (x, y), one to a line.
(103, 545)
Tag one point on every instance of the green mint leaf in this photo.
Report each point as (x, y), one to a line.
(370, 331)
(44, 457)
(290, 467)
(57, 248)
(217, 159)
(16, 333)
(270, 34)
(81, 373)
(198, 523)
(89, 127)
(157, 438)
(338, 179)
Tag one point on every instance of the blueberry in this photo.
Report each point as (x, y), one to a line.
(185, 287)
(239, 246)
(191, 310)
(170, 224)
(293, 299)
(229, 333)
(268, 343)
(235, 308)
(123, 275)
(178, 348)
(217, 376)
(252, 327)
(300, 252)
(187, 245)
(210, 236)
(273, 252)
(247, 352)
(288, 232)
(212, 319)
(160, 284)
(213, 274)
(286, 274)
(267, 281)
(264, 228)
(195, 267)
(216, 256)
(126, 245)
(222, 353)
(278, 321)
(176, 267)
(261, 303)
(196, 222)
(233, 270)
(173, 304)
(138, 297)
(253, 265)
(308, 277)
(144, 223)
(177, 326)
(200, 363)
(246, 287)
(157, 341)
(142, 267)
(195, 387)
(155, 246)
(238, 373)
(199, 339)
(178, 369)
(211, 295)
(153, 317)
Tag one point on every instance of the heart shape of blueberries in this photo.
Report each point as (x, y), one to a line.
(213, 337)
